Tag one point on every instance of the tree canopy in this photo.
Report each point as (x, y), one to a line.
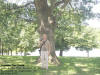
(19, 24)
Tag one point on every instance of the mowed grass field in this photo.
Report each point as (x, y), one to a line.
(68, 66)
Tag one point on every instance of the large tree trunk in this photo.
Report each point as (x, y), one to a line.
(46, 25)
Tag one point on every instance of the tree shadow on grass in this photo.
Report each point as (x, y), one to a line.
(76, 66)
(68, 66)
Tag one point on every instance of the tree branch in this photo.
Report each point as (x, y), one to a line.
(27, 4)
(61, 2)
(52, 3)
(58, 3)
(22, 6)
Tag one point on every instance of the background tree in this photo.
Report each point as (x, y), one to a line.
(87, 40)
(15, 30)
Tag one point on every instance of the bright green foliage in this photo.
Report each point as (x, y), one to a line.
(86, 40)
(70, 32)
(16, 34)
(19, 34)
(80, 37)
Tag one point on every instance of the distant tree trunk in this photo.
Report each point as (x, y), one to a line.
(8, 52)
(2, 47)
(4, 52)
(21, 52)
(25, 52)
(16, 51)
(11, 52)
(61, 53)
(47, 25)
(87, 53)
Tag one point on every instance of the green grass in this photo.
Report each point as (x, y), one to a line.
(68, 66)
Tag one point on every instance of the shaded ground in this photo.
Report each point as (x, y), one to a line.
(69, 66)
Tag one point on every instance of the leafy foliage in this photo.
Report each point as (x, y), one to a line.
(15, 32)
(18, 25)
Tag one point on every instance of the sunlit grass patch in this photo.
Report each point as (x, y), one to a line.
(81, 65)
(97, 74)
(85, 69)
(72, 71)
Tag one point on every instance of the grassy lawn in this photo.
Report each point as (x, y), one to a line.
(68, 66)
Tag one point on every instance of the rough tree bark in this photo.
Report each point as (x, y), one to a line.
(46, 25)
